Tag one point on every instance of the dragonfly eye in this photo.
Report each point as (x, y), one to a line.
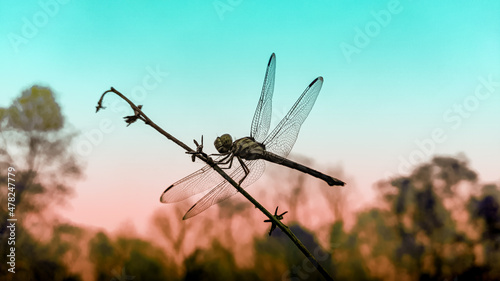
(223, 143)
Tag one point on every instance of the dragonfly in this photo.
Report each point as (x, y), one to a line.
(251, 152)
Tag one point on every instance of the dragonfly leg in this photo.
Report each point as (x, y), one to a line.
(226, 155)
(245, 169)
(228, 159)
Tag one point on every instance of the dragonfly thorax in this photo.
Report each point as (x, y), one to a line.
(247, 148)
(223, 143)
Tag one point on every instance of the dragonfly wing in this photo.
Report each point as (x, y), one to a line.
(197, 182)
(262, 117)
(283, 137)
(225, 190)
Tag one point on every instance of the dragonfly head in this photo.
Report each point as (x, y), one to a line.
(223, 143)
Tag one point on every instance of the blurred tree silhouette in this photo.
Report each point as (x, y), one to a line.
(418, 233)
(216, 263)
(485, 215)
(437, 223)
(277, 258)
(35, 111)
(36, 143)
(128, 259)
(347, 249)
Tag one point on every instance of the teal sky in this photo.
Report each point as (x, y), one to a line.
(395, 71)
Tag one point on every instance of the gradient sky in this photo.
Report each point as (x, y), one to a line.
(404, 80)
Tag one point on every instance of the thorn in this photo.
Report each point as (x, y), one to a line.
(199, 150)
(132, 118)
(98, 107)
(278, 217)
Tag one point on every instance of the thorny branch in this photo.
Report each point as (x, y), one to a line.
(274, 219)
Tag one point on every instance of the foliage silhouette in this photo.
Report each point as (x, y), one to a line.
(419, 231)
(136, 257)
(35, 143)
(437, 223)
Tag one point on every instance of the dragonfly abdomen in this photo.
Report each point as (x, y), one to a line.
(294, 165)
